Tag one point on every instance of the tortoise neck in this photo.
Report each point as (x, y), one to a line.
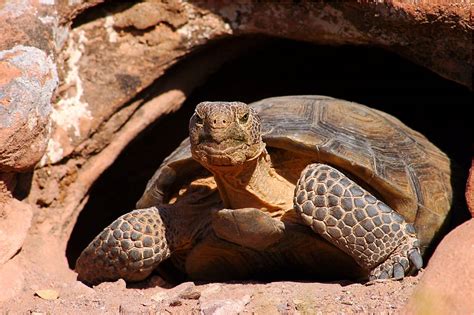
(253, 184)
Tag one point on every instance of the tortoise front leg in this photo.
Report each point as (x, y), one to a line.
(130, 248)
(248, 227)
(345, 214)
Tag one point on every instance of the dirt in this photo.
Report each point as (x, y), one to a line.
(38, 281)
(154, 296)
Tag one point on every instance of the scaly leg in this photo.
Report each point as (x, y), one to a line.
(345, 214)
(130, 248)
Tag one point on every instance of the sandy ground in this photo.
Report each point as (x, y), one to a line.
(156, 297)
(42, 265)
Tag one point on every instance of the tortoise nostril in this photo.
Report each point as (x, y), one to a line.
(219, 122)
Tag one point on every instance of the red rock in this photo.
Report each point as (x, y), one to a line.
(15, 220)
(12, 280)
(447, 284)
(29, 23)
(27, 84)
(109, 62)
(470, 189)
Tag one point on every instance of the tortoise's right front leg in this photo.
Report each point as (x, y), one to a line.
(130, 248)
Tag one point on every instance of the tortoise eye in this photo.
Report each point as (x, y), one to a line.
(244, 118)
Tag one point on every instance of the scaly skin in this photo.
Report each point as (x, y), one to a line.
(130, 248)
(345, 214)
(226, 139)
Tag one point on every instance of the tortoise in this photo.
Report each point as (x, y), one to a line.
(307, 186)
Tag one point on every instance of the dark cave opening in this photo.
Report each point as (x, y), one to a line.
(436, 107)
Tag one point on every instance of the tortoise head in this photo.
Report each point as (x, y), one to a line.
(225, 133)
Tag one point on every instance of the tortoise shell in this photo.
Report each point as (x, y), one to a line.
(396, 163)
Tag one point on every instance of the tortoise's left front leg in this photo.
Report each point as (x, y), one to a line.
(345, 214)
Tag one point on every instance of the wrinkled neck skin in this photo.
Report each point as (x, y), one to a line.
(253, 184)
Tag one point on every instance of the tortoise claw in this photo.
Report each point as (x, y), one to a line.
(397, 265)
(383, 275)
(416, 259)
(398, 271)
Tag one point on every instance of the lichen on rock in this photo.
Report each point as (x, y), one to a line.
(28, 83)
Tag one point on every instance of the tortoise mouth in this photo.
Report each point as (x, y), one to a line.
(227, 152)
(227, 146)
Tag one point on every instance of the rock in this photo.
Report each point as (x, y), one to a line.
(47, 294)
(120, 284)
(190, 294)
(224, 306)
(78, 288)
(175, 302)
(447, 284)
(470, 189)
(186, 291)
(400, 26)
(117, 79)
(215, 299)
(30, 23)
(27, 84)
(125, 309)
(15, 220)
(212, 289)
(12, 280)
(160, 296)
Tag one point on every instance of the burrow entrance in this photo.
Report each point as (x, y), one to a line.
(436, 107)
